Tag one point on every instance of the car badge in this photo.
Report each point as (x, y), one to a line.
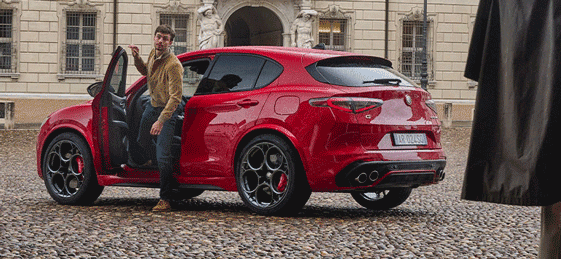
(408, 100)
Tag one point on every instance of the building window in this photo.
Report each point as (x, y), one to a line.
(412, 49)
(179, 22)
(6, 42)
(80, 47)
(332, 33)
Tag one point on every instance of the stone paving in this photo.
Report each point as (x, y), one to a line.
(432, 223)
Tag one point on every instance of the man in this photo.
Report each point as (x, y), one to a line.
(165, 77)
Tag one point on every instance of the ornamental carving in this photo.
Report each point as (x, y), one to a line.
(416, 14)
(334, 12)
(283, 8)
(174, 6)
(80, 3)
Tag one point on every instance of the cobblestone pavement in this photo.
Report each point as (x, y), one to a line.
(432, 223)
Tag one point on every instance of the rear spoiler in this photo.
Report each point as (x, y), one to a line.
(347, 60)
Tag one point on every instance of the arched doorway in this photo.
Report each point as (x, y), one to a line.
(253, 26)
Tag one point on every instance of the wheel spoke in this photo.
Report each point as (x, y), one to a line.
(274, 159)
(255, 158)
(251, 181)
(54, 162)
(263, 195)
(71, 184)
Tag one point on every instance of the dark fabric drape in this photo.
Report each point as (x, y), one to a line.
(515, 55)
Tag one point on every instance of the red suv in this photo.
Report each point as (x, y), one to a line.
(272, 123)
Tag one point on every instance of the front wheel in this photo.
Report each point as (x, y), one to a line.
(68, 171)
(270, 177)
(383, 199)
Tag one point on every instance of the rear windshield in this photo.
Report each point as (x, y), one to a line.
(357, 72)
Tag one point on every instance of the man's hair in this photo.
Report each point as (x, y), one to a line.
(166, 29)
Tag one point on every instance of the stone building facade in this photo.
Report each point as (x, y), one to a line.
(51, 51)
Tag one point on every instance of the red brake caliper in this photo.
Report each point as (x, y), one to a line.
(80, 162)
(282, 183)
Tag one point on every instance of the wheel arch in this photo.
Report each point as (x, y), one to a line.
(277, 131)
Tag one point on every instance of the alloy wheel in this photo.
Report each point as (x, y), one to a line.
(264, 174)
(65, 168)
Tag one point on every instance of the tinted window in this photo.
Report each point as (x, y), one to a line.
(193, 71)
(117, 80)
(357, 72)
(232, 73)
(269, 73)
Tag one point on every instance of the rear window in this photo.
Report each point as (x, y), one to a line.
(357, 72)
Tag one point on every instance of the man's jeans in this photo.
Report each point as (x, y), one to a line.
(163, 154)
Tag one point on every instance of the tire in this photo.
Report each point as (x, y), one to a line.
(270, 177)
(382, 200)
(68, 171)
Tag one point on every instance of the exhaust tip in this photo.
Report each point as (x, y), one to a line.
(441, 175)
(361, 178)
(374, 175)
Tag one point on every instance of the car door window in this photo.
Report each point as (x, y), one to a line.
(117, 83)
(232, 73)
(193, 72)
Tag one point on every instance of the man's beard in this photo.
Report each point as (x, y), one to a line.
(160, 48)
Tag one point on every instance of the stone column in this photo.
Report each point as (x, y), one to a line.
(286, 39)
(306, 5)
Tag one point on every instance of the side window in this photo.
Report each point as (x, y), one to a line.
(193, 72)
(269, 73)
(232, 73)
(116, 83)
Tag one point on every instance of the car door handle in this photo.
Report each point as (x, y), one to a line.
(248, 103)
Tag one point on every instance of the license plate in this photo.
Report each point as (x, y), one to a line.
(410, 139)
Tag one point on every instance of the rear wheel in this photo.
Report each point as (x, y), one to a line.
(270, 178)
(383, 199)
(68, 171)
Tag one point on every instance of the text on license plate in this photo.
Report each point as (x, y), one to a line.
(410, 139)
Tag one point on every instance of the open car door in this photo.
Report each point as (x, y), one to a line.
(109, 113)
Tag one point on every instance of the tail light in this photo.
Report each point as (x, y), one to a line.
(347, 104)
(432, 105)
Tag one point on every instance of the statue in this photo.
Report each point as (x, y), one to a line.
(301, 30)
(211, 27)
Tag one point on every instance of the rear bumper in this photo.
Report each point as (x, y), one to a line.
(391, 174)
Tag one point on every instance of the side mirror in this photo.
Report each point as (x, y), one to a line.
(94, 88)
